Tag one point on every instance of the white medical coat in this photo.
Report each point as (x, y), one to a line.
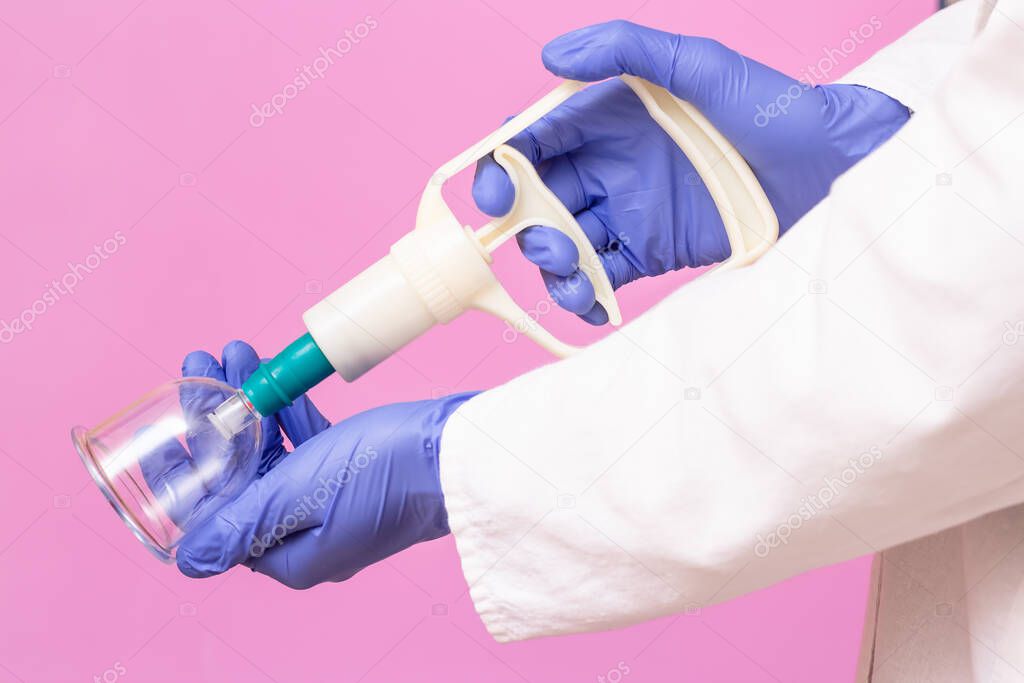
(859, 389)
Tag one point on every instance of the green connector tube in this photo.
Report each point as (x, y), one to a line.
(288, 375)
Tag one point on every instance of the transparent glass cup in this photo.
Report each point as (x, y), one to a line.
(163, 464)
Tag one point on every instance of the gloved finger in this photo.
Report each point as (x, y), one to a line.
(201, 364)
(621, 270)
(594, 228)
(560, 131)
(302, 421)
(548, 249)
(493, 191)
(170, 473)
(554, 135)
(559, 175)
(572, 289)
(574, 292)
(678, 63)
(197, 401)
(596, 316)
(240, 360)
(267, 511)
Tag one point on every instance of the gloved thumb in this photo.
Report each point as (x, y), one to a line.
(677, 63)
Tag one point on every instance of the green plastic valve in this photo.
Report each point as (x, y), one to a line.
(288, 375)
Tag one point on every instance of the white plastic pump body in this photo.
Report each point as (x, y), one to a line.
(442, 268)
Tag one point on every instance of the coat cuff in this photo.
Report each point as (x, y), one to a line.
(469, 523)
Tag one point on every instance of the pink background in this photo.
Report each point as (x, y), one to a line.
(135, 117)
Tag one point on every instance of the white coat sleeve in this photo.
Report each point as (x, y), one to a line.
(911, 68)
(860, 386)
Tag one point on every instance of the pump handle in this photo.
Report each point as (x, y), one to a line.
(749, 219)
(442, 268)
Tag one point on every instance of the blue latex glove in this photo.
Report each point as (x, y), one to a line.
(632, 190)
(350, 496)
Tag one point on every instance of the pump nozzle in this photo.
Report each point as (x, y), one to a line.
(233, 415)
(274, 385)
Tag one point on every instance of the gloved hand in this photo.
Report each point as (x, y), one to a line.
(634, 192)
(350, 496)
(171, 469)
